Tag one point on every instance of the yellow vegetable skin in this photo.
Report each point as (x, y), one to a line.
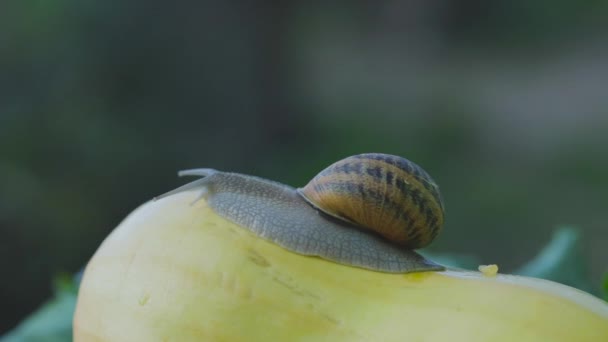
(176, 271)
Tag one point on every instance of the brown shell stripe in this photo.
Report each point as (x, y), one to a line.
(393, 186)
(411, 168)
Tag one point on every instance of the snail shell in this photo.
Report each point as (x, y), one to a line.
(285, 216)
(387, 194)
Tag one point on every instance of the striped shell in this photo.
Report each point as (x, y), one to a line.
(388, 194)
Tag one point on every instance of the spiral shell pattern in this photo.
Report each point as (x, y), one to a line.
(387, 194)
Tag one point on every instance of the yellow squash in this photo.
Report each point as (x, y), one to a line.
(176, 271)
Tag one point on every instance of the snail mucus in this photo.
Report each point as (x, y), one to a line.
(369, 210)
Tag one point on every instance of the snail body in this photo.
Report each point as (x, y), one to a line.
(366, 211)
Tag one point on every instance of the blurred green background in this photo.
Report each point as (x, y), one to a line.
(505, 104)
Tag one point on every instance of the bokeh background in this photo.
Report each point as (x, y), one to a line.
(101, 102)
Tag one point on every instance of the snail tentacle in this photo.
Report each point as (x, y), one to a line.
(204, 172)
(199, 183)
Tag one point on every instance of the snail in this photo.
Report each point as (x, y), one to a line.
(368, 210)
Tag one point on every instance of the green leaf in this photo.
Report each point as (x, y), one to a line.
(52, 322)
(561, 260)
(605, 287)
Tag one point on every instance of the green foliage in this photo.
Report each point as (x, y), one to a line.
(52, 322)
(605, 287)
(561, 260)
